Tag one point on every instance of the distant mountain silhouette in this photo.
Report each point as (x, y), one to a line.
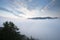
(43, 18)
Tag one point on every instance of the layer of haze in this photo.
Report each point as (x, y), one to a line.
(40, 29)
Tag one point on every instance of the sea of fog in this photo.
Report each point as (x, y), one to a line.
(47, 29)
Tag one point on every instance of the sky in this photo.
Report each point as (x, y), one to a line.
(29, 8)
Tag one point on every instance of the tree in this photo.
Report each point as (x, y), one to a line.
(10, 32)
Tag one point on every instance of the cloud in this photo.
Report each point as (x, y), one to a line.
(4, 9)
(30, 0)
(23, 8)
(50, 4)
(28, 13)
(26, 9)
(12, 12)
(16, 7)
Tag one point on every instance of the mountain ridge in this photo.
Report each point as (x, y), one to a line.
(44, 18)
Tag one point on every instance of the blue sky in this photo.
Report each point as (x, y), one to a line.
(29, 8)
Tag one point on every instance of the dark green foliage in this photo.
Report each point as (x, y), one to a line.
(10, 32)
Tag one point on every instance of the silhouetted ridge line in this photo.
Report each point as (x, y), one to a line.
(44, 18)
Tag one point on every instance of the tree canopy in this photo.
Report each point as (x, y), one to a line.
(10, 32)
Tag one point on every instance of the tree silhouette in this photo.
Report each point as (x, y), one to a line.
(10, 32)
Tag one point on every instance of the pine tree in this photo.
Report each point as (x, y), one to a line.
(10, 32)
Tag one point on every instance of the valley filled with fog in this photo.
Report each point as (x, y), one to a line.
(45, 29)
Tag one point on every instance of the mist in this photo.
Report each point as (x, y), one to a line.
(40, 29)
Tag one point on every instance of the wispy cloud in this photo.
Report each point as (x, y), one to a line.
(22, 8)
(27, 12)
(4, 9)
(28, 8)
(47, 6)
(12, 12)
(30, 0)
